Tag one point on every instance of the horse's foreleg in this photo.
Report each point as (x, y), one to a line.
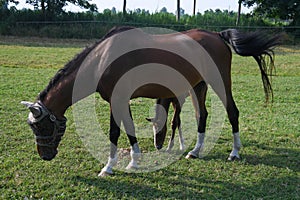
(201, 114)
(135, 152)
(114, 134)
(233, 115)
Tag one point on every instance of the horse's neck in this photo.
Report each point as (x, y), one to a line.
(59, 98)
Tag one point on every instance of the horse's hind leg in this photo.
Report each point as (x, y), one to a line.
(135, 152)
(114, 134)
(233, 115)
(201, 114)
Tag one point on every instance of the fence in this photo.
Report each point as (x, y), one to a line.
(96, 29)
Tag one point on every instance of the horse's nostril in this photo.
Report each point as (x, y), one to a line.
(158, 147)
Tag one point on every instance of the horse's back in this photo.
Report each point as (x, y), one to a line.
(125, 51)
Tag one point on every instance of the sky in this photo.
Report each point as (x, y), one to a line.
(157, 5)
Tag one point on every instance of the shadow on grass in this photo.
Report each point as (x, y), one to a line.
(285, 158)
(191, 187)
(280, 157)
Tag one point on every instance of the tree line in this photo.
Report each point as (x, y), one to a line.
(279, 9)
(48, 19)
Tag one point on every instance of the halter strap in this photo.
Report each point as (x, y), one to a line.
(59, 125)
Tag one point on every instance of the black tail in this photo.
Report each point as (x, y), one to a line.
(259, 45)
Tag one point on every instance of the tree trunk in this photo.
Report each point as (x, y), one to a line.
(124, 7)
(239, 13)
(43, 6)
(194, 9)
(178, 11)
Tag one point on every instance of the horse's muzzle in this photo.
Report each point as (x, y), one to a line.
(158, 147)
(47, 155)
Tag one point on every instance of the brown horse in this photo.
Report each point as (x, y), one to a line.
(129, 63)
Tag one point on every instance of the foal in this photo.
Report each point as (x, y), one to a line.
(159, 122)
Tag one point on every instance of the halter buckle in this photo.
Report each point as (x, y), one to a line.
(52, 118)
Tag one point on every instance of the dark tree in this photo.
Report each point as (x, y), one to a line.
(4, 3)
(163, 10)
(56, 6)
(239, 13)
(124, 7)
(178, 11)
(194, 8)
(280, 9)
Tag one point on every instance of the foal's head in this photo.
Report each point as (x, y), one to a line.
(47, 129)
(159, 130)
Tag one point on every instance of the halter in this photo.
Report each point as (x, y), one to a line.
(59, 125)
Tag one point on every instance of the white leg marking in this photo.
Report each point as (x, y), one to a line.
(135, 154)
(181, 140)
(107, 169)
(170, 145)
(235, 147)
(198, 147)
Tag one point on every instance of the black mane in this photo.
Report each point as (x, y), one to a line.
(78, 59)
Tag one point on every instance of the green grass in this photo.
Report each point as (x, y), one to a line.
(269, 168)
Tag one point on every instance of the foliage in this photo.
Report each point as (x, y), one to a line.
(4, 3)
(55, 7)
(92, 25)
(269, 168)
(279, 9)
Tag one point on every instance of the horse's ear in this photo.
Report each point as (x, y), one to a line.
(150, 119)
(36, 111)
(27, 103)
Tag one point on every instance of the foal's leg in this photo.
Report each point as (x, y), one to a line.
(135, 152)
(114, 134)
(181, 99)
(201, 114)
(174, 123)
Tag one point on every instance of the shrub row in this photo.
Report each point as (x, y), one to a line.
(93, 25)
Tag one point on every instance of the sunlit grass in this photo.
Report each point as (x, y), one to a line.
(269, 168)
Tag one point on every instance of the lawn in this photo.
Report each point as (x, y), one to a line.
(270, 135)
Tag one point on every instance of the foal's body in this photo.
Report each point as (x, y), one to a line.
(192, 54)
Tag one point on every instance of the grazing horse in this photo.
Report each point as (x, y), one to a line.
(113, 67)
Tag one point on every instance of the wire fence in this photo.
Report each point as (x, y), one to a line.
(96, 29)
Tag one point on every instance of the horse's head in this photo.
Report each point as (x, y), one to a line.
(47, 129)
(159, 130)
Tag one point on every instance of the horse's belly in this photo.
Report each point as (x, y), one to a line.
(158, 91)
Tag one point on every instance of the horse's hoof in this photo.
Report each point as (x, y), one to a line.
(190, 156)
(168, 150)
(234, 158)
(132, 165)
(104, 174)
(131, 169)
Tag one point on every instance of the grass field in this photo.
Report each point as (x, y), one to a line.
(269, 169)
